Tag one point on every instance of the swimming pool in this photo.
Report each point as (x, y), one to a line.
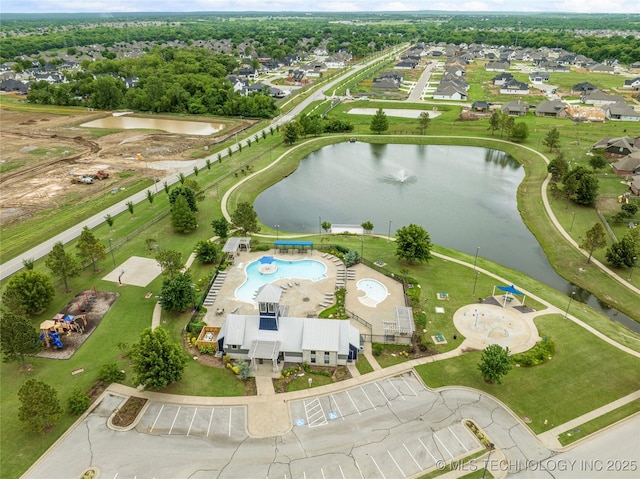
(376, 292)
(301, 269)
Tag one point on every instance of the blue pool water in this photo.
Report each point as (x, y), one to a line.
(376, 292)
(301, 269)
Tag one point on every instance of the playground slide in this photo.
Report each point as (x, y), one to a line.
(55, 339)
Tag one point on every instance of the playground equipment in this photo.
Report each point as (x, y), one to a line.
(87, 301)
(49, 334)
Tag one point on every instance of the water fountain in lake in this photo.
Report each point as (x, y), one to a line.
(401, 177)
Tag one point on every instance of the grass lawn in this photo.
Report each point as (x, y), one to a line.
(302, 382)
(362, 365)
(600, 422)
(577, 380)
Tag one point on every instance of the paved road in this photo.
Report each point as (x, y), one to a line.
(416, 94)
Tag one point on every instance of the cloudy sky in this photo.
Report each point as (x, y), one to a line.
(581, 6)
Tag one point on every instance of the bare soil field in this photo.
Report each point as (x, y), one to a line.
(40, 154)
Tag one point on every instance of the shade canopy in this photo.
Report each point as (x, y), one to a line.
(510, 289)
(266, 260)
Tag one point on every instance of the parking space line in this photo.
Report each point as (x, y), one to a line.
(358, 466)
(368, 398)
(337, 407)
(322, 472)
(116, 476)
(427, 449)
(378, 467)
(382, 392)
(230, 409)
(341, 473)
(414, 459)
(157, 417)
(396, 463)
(354, 404)
(174, 419)
(445, 447)
(409, 386)
(210, 419)
(457, 438)
(192, 419)
(394, 387)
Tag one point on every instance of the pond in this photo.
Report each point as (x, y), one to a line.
(183, 127)
(465, 197)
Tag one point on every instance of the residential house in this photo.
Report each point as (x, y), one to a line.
(385, 84)
(497, 66)
(248, 72)
(15, 86)
(634, 186)
(599, 98)
(552, 108)
(629, 165)
(539, 77)
(449, 91)
(514, 87)
(633, 83)
(600, 68)
(583, 87)
(239, 83)
(621, 112)
(406, 64)
(515, 108)
(274, 336)
(502, 78)
(338, 60)
(480, 106)
(552, 66)
(618, 147)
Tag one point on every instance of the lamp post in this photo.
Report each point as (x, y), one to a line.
(389, 235)
(475, 280)
(572, 220)
(635, 258)
(566, 313)
(491, 446)
(111, 249)
(361, 249)
(475, 261)
(277, 227)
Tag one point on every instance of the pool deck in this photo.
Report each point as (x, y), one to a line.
(304, 297)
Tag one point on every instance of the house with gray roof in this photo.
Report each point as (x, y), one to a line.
(629, 165)
(621, 111)
(539, 77)
(497, 66)
(552, 108)
(515, 108)
(618, 147)
(633, 83)
(501, 79)
(599, 98)
(274, 336)
(514, 87)
(449, 91)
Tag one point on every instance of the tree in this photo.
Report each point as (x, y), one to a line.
(182, 178)
(177, 293)
(187, 193)
(29, 263)
(494, 363)
(28, 291)
(379, 122)
(424, 120)
(326, 226)
(195, 170)
(623, 252)
(195, 187)
(182, 217)
(581, 185)
(207, 252)
(552, 139)
(220, 227)
(594, 238)
(507, 122)
(367, 226)
(130, 207)
(109, 220)
(558, 167)
(208, 163)
(150, 197)
(170, 262)
(494, 121)
(291, 132)
(157, 362)
(17, 336)
(413, 243)
(78, 402)
(598, 160)
(520, 132)
(39, 405)
(62, 265)
(90, 248)
(245, 218)
(629, 209)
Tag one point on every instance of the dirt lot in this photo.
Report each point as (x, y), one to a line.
(40, 153)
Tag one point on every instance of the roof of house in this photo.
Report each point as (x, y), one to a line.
(551, 106)
(269, 293)
(621, 109)
(628, 163)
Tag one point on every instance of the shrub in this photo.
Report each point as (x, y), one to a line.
(261, 247)
(540, 353)
(421, 320)
(244, 369)
(377, 349)
(194, 327)
(110, 373)
(78, 402)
